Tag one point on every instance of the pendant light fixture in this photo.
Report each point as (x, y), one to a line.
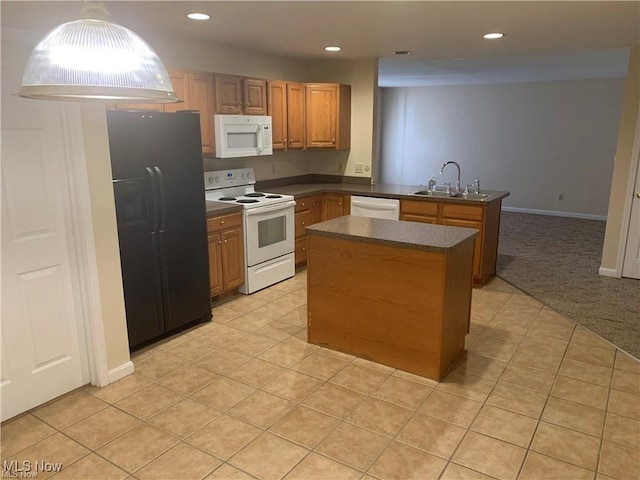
(95, 59)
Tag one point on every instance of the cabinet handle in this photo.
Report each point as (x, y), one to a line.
(304, 249)
(334, 140)
(225, 241)
(247, 104)
(221, 222)
(302, 223)
(219, 242)
(339, 204)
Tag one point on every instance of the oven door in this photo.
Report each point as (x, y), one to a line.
(269, 232)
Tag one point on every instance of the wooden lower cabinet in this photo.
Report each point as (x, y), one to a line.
(335, 205)
(485, 218)
(315, 209)
(226, 253)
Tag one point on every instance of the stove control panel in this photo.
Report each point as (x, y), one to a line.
(228, 178)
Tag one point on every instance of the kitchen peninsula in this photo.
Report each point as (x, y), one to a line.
(397, 293)
(332, 200)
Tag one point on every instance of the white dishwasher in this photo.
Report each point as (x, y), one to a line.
(374, 207)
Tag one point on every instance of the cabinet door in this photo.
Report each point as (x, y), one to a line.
(316, 209)
(228, 90)
(278, 112)
(334, 206)
(232, 258)
(180, 82)
(477, 243)
(215, 264)
(200, 90)
(301, 250)
(254, 94)
(321, 115)
(295, 115)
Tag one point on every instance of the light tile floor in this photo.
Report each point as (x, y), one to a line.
(245, 396)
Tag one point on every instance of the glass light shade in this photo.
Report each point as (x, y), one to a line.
(94, 59)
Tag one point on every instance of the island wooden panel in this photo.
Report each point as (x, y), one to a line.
(405, 308)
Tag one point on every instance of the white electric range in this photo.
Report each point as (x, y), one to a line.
(269, 233)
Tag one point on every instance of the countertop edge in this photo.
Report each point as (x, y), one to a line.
(320, 229)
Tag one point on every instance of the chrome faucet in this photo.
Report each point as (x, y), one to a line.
(458, 166)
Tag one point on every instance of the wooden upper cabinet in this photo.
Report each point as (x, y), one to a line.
(295, 115)
(180, 83)
(286, 107)
(237, 95)
(328, 115)
(228, 90)
(255, 96)
(200, 97)
(140, 107)
(278, 112)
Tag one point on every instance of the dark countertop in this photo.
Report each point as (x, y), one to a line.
(221, 208)
(410, 235)
(384, 190)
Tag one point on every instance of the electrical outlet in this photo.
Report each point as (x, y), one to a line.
(561, 196)
(367, 168)
(359, 168)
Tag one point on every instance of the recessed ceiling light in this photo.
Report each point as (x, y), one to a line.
(402, 52)
(333, 49)
(198, 16)
(494, 35)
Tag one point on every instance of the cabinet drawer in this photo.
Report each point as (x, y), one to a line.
(468, 212)
(301, 250)
(410, 217)
(303, 219)
(303, 203)
(222, 222)
(417, 207)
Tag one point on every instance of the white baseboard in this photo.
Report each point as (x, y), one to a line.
(555, 213)
(121, 371)
(608, 272)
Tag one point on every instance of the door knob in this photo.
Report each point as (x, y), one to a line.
(638, 194)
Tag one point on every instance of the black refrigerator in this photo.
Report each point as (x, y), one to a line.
(156, 161)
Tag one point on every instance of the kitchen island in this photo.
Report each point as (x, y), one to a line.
(393, 292)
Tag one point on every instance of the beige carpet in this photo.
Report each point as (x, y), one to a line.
(556, 261)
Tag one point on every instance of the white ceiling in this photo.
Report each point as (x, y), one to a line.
(543, 39)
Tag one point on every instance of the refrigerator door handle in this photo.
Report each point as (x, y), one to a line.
(163, 204)
(154, 197)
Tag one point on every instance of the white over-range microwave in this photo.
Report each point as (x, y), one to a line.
(242, 135)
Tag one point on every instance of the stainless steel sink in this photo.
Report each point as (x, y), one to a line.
(474, 196)
(442, 193)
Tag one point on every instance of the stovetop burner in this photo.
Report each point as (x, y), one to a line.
(254, 194)
(227, 199)
(274, 196)
(247, 200)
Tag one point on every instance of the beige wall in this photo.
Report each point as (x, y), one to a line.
(105, 234)
(623, 165)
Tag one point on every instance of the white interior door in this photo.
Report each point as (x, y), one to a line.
(631, 265)
(41, 340)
